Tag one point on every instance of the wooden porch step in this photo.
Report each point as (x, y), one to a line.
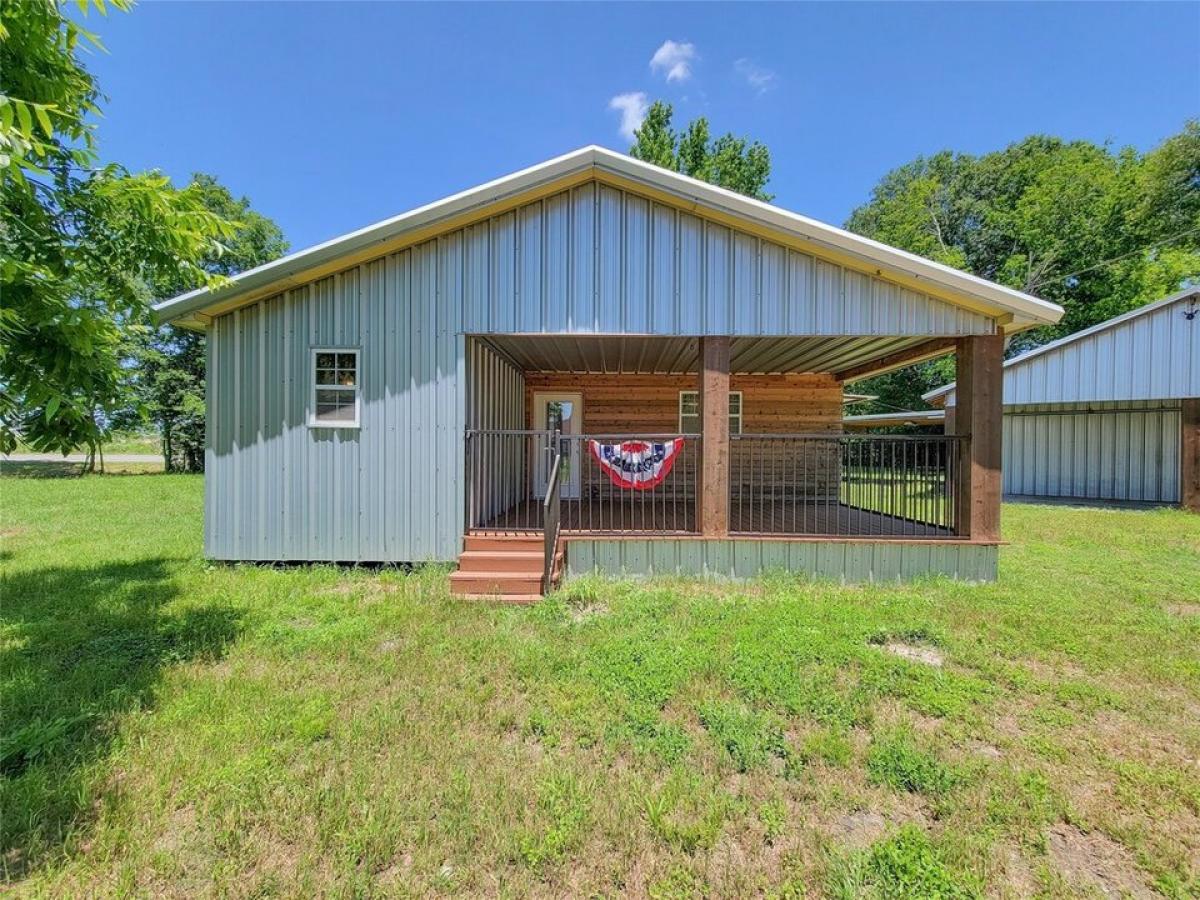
(496, 582)
(516, 543)
(505, 567)
(527, 561)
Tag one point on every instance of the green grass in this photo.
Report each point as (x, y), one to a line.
(177, 727)
(916, 496)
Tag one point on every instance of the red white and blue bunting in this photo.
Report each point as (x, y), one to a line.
(639, 465)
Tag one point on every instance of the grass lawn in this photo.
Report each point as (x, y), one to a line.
(179, 728)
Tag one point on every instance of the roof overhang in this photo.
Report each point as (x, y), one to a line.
(909, 417)
(1013, 310)
(661, 355)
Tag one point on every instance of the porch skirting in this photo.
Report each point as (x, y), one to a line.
(854, 561)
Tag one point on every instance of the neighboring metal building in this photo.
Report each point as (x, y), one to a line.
(1108, 413)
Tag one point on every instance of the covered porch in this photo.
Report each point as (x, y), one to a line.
(719, 438)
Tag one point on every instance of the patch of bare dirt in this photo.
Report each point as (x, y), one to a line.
(586, 611)
(1096, 862)
(1183, 609)
(1053, 670)
(861, 829)
(985, 750)
(1015, 878)
(926, 655)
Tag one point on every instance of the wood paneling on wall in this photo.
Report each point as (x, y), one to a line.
(624, 404)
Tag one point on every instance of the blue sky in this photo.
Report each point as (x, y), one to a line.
(330, 116)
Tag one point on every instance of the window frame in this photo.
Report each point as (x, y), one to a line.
(313, 387)
(741, 409)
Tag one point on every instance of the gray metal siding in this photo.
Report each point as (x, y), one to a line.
(1150, 356)
(849, 561)
(1114, 451)
(388, 491)
(598, 260)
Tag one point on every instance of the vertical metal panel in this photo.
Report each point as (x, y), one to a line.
(1115, 451)
(747, 317)
(849, 561)
(690, 265)
(502, 265)
(557, 260)
(663, 301)
(636, 259)
(718, 248)
(582, 242)
(530, 311)
(609, 251)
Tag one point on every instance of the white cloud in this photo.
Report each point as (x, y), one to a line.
(762, 80)
(632, 107)
(675, 59)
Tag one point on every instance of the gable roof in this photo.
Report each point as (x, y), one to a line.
(1013, 309)
(1074, 342)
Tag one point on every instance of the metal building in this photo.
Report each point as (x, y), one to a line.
(1109, 413)
(476, 371)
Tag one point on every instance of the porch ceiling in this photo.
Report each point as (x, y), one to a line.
(611, 354)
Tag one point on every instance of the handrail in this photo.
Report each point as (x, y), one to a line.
(551, 511)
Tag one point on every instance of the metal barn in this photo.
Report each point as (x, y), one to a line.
(596, 364)
(1110, 413)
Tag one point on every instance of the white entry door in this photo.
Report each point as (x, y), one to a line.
(562, 413)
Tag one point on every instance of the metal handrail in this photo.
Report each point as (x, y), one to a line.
(551, 513)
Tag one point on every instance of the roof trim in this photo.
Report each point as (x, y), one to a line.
(1025, 310)
(897, 418)
(1194, 291)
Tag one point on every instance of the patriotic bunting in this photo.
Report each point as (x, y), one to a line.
(639, 465)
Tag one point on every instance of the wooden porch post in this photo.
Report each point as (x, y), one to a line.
(1190, 425)
(713, 502)
(979, 414)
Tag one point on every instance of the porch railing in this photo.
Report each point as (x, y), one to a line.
(846, 485)
(821, 485)
(594, 501)
(509, 480)
(502, 466)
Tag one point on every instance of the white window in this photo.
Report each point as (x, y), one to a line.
(334, 388)
(689, 412)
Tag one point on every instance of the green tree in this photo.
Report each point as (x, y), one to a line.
(168, 363)
(1098, 231)
(79, 241)
(731, 162)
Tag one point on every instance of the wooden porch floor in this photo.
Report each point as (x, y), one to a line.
(783, 517)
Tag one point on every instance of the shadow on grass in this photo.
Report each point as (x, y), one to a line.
(83, 646)
(44, 469)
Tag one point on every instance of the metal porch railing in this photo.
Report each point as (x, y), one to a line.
(509, 479)
(846, 485)
(819, 485)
